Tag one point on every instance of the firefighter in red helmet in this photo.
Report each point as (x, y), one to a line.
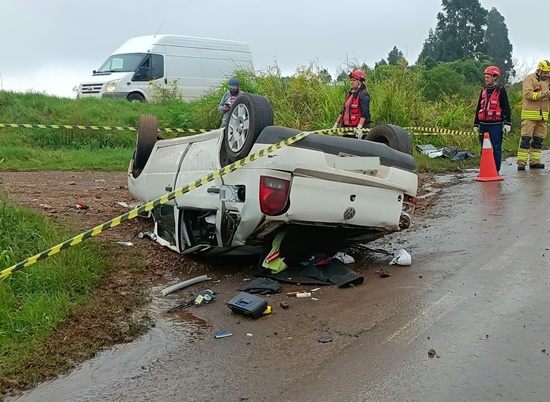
(493, 112)
(356, 109)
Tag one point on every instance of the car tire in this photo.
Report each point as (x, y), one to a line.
(136, 97)
(393, 136)
(146, 138)
(249, 115)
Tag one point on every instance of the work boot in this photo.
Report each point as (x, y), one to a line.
(537, 166)
(521, 167)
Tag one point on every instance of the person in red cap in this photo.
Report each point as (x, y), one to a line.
(356, 109)
(493, 112)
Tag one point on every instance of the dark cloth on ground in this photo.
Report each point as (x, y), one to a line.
(261, 286)
(334, 273)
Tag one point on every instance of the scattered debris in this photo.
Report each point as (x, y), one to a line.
(125, 243)
(267, 310)
(46, 206)
(284, 304)
(184, 284)
(345, 258)
(249, 334)
(325, 339)
(402, 257)
(432, 353)
(79, 205)
(123, 204)
(223, 334)
(383, 273)
(303, 294)
(262, 286)
(148, 234)
(205, 296)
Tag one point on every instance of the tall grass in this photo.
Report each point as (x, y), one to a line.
(305, 101)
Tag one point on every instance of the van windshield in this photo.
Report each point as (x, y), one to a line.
(121, 63)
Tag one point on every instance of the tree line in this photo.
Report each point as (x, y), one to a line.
(466, 39)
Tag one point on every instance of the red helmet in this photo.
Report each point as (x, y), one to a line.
(492, 70)
(358, 74)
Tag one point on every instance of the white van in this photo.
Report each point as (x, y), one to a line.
(193, 64)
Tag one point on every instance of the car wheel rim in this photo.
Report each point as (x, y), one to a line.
(238, 128)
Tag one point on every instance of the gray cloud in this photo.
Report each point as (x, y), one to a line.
(51, 45)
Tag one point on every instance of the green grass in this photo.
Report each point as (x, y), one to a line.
(34, 301)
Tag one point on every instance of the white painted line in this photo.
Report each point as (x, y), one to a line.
(415, 327)
(506, 258)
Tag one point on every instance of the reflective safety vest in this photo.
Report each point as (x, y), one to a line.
(352, 115)
(534, 106)
(490, 109)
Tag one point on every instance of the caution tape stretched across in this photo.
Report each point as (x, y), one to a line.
(98, 128)
(162, 200)
(431, 130)
(413, 130)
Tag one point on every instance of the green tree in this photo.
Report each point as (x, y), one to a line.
(497, 44)
(396, 57)
(380, 63)
(325, 75)
(459, 33)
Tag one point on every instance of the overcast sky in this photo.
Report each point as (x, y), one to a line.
(52, 45)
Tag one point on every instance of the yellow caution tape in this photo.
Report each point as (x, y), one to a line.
(164, 199)
(414, 130)
(428, 131)
(106, 128)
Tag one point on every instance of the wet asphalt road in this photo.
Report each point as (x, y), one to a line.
(476, 294)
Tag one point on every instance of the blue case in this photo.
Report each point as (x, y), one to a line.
(247, 304)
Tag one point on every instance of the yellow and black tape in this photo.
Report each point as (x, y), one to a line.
(162, 200)
(431, 130)
(97, 128)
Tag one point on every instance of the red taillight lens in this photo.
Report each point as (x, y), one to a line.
(273, 194)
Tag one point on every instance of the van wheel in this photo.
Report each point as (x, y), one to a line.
(249, 115)
(146, 139)
(393, 136)
(136, 97)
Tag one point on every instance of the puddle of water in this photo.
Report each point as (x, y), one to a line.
(115, 365)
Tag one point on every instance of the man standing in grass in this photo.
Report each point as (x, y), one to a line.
(227, 100)
(493, 109)
(534, 116)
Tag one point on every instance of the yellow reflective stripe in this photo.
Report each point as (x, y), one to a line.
(535, 155)
(523, 155)
(535, 95)
(533, 115)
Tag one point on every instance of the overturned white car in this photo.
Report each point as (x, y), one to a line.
(336, 189)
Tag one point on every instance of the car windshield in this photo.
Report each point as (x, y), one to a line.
(121, 63)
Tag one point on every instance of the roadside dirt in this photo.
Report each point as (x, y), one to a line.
(114, 314)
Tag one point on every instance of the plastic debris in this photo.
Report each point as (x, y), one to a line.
(184, 284)
(402, 257)
(125, 243)
(344, 258)
(205, 296)
(79, 205)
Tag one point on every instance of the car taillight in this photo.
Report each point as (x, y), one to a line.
(273, 194)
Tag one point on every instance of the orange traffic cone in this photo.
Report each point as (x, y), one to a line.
(487, 166)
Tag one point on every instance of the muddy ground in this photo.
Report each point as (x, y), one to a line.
(56, 193)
